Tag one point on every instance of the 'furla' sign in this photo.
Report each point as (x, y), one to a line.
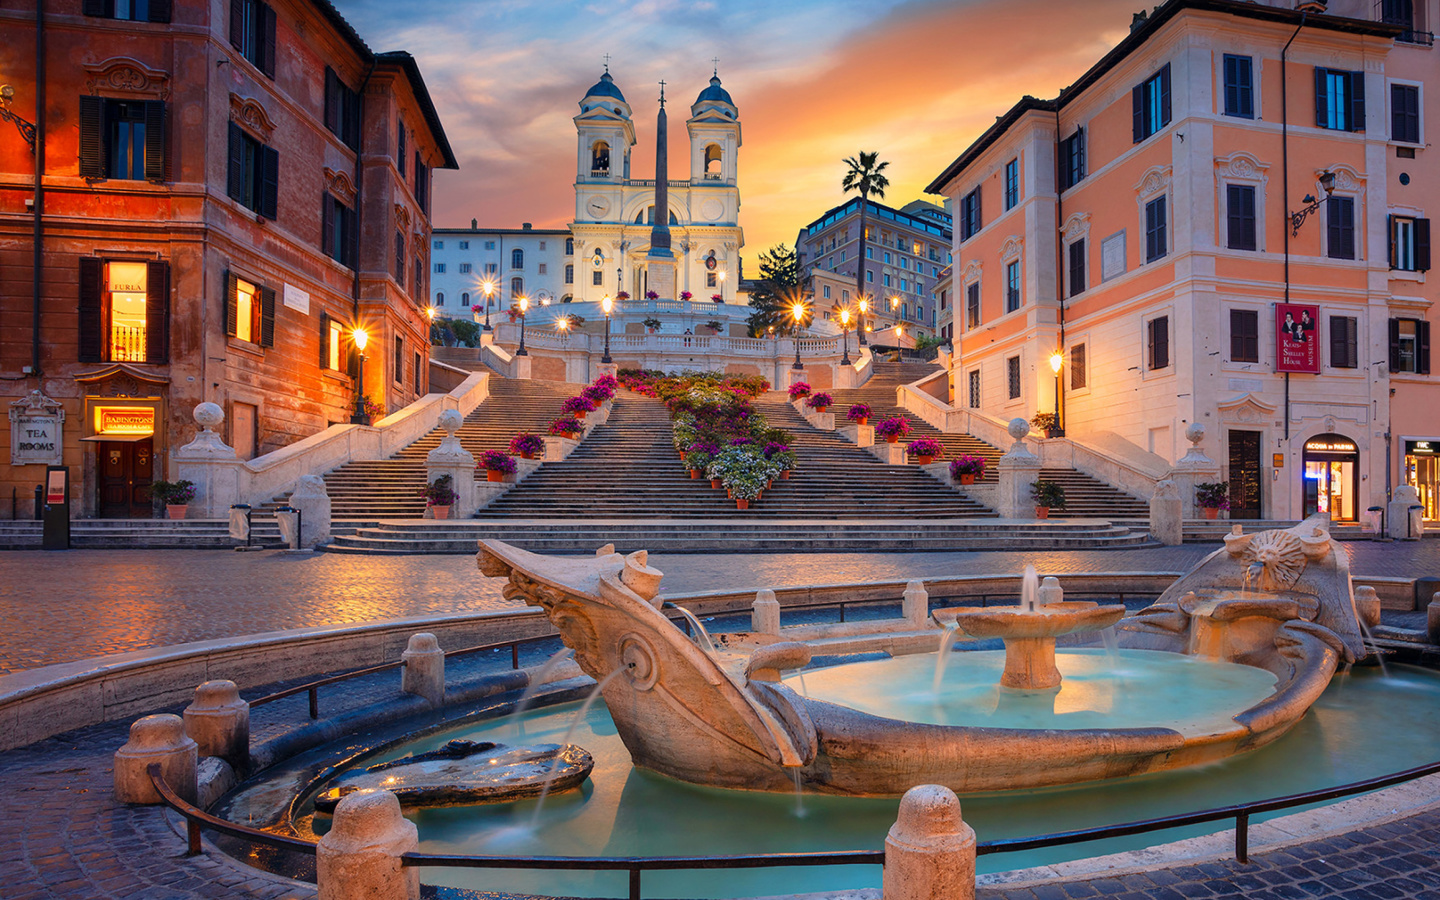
(36, 431)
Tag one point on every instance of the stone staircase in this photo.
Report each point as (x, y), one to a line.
(142, 534)
(1087, 497)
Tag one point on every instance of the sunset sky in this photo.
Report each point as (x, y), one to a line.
(815, 82)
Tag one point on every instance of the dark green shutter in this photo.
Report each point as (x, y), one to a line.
(332, 100)
(1422, 245)
(237, 24)
(92, 141)
(269, 182)
(1137, 113)
(1394, 345)
(267, 317)
(1322, 97)
(266, 59)
(235, 178)
(1393, 241)
(92, 297)
(155, 144)
(1164, 98)
(327, 227)
(99, 8)
(1422, 347)
(1356, 82)
(232, 303)
(351, 137)
(160, 10)
(352, 237)
(157, 312)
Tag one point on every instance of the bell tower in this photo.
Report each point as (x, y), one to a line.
(605, 135)
(714, 128)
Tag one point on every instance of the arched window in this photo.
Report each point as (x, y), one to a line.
(567, 298)
(569, 246)
(517, 286)
(439, 298)
(517, 259)
(712, 162)
(465, 299)
(600, 158)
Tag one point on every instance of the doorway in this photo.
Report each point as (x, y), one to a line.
(1244, 474)
(126, 473)
(1332, 477)
(244, 433)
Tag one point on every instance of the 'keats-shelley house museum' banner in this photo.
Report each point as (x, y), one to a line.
(1297, 338)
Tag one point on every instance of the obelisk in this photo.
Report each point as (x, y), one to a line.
(660, 261)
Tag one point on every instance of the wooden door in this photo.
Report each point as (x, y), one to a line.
(126, 473)
(243, 418)
(1245, 474)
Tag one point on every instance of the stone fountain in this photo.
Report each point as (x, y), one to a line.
(1280, 601)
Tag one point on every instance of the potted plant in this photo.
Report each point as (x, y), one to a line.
(578, 407)
(1213, 497)
(893, 428)
(497, 465)
(698, 457)
(597, 394)
(176, 495)
(717, 298)
(525, 445)
(819, 402)
(925, 450)
(799, 391)
(781, 456)
(566, 426)
(1047, 495)
(652, 295)
(859, 414)
(967, 468)
(651, 322)
(686, 295)
(440, 495)
(1046, 423)
(715, 326)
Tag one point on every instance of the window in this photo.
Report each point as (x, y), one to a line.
(1344, 343)
(489, 245)
(1240, 217)
(399, 360)
(1410, 346)
(826, 290)
(439, 268)
(597, 278)
(904, 263)
(1150, 104)
(904, 285)
(569, 246)
(422, 184)
(570, 274)
(124, 311)
(464, 268)
(1402, 13)
(972, 305)
(710, 279)
(417, 286)
(869, 252)
(869, 277)
(342, 110)
(542, 269)
(465, 245)
(517, 287)
(1340, 227)
(600, 159)
(969, 216)
(887, 257)
(437, 245)
(492, 268)
(887, 279)
(254, 173)
(1339, 99)
(249, 311)
(542, 245)
(1239, 86)
(400, 260)
(1157, 332)
(1072, 160)
(517, 259)
(400, 148)
(1012, 286)
(1244, 335)
(132, 10)
(339, 232)
(1077, 367)
(974, 385)
(1012, 184)
(419, 372)
(1405, 113)
(332, 340)
(465, 300)
(122, 139)
(1156, 237)
(1409, 244)
(252, 32)
(1077, 267)
(1012, 368)
(439, 298)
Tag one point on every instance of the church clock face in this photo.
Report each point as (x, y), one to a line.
(597, 206)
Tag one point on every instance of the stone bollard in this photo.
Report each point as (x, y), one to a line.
(156, 739)
(1050, 591)
(915, 607)
(219, 722)
(930, 851)
(1167, 522)
(424, 671)
(1432, 618)
(1367, 605)
(359, 857)
(765, 613)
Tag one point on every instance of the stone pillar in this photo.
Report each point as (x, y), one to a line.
(1167, 510)
(915, 607)
(795, 376)
(1050, 591)
(1193, 468)
(450, 458)
(311, 498)
(824, 421)
(1018, 470)
(156, 739)
(520, 367)
(557, 448)
(1401, 522)
(220, 478)
(424, 670)
(1367, 605)
(1432, 618)
(864, 435)
(765, 613)
(359, 857)
(930, 851)
(219, 722)
(610, 368)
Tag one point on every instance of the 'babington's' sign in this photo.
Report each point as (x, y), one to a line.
(36, 431)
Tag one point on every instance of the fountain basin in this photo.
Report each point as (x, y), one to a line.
(1029, 635)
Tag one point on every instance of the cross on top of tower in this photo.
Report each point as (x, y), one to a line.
(662, 93)
(607, 62)
(715, 61)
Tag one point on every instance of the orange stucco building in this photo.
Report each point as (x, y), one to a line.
(1157, 223)
(226, 190)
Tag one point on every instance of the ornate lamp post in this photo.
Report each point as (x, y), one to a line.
(607, 304)
(798, 312)
(1057, 362)
(845, 337)
(860, 322)
(1327, 183)
(563, 323)
(524, 302)
(722, 285)
(25, 127)
(360, 417)
(488, 287)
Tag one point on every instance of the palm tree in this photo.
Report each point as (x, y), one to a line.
(864, 175)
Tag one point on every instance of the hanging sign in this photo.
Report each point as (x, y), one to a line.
(1297, 338)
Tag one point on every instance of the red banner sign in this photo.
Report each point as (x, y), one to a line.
(1297, 338)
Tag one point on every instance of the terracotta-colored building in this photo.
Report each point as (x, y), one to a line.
(1145, 223)
(229, 189)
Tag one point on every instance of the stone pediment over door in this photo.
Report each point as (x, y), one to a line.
(1246, 409)
(120, 380)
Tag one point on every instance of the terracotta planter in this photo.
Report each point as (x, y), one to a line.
(492, 475)
(441, 512)
(1212, 512)
(768, 483)
(527, 456)
(892, 438)
(715, 483)
(580, 416)
(682, 455)
(1042, 512)
(742, 504)
(863, 420)
(820, 409)
(176, 510)
(926, 460)
(785, 474)
(730, 494)
(967, 477)
(694, 473)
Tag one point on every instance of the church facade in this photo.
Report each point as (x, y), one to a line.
(615, 212)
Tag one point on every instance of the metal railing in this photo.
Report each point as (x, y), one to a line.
(197, 819)
(1409, 16)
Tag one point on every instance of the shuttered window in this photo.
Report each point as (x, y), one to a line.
(1078, 373)
(252, 32)
(122, 139)
(1076, 253)
(339, 232)
(1344, 342)
(1239, 86)
(969, 215)
(253, 173)
(342, 110)
(1405, 113)
(1072, 160)
(1339, 99)
(1409, 244)
(124, 311)
(1240, 217)
(400, 260)
(131, 10)
(1150, 105)
(1157, 242)
(1244, 335)
(400, 361)
(1012, 371)
(1158, 343)
(249, 311)
(1410, 346)
(1340, 227)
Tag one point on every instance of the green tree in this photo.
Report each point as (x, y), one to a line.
(466, 332)
(777, 289)
(864, 176)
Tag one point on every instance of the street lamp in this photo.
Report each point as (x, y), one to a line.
(722, 285)
(606, 305)
(563, 323)
(798, 312)
(860, 322)
(1327, 184)
(488, 286)
(360, 417)
(1057, 362)
(524, 302)
(845, 337)
(26, 127)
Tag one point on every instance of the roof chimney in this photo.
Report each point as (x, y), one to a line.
(474, 224)
(1138, 20)
(1315, 7)
(525, 226)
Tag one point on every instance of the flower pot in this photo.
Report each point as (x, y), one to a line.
(785, 474)
(441, 512)
(967, 477)
(527, 456)
(682, 455)
(892, 438)
(694, 473)
(768, 483)
(730, 493)
(1042, 512)
(742, 504)
(176, 510)
(821, 409)
(1212, 512)
(863, 420)
(492, 475)
(580, 414)
(715, 483)
(925, 460)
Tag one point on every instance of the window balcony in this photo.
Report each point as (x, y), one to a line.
(1410, 16)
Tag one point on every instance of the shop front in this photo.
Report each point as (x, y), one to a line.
(123, 427)
(1331, 473)
(1422, 472)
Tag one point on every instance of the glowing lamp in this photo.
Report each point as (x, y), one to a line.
(1057, 360)
(360, 338)
(607, 304)
(524, 302)
(798, 311)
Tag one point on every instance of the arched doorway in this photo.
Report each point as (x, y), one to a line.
(1332, 477)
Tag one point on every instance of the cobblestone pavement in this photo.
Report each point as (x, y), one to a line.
(65, 606)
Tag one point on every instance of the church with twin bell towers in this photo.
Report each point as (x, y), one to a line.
(670, 236)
